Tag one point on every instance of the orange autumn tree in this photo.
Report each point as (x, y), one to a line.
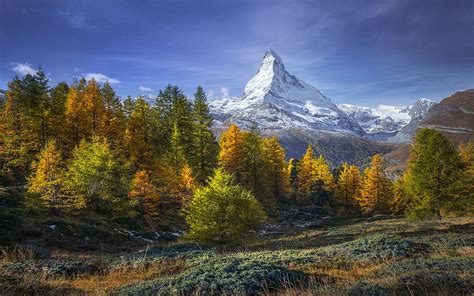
(376, 187)
(94, 107)
(144, 194)
(232, 154)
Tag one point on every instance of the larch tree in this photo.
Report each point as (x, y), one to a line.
(276, 168)
(314, 170)
(94, 108)
(254, 174)
(348, 184)
(139, 134)
(232, 154)
(76, 117)
(436, 170)
(293, 171)
(114, 123)
(376, 188)
(223, 211)
(203, 158)
(95, 177)
(144, 194)
(47, 177)
(466, 152)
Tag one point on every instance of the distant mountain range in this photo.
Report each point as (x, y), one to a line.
(278, 103)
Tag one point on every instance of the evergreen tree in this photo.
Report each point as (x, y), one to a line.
(376, 189)
(293, 172)
(47, 178)
(204, 155)
(177, 152)
(232, 154)
(435, 168)
(223, 211)
(276, 168)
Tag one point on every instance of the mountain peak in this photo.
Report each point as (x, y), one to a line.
(272, 57)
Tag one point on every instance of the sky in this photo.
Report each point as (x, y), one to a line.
(358, 52)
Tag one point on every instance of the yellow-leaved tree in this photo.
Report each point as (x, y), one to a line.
(276, 168)
(348, 184)
(313, 170)
(376, 188)
(47, 177)
(232, 154)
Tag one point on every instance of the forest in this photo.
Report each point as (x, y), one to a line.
(80, 147)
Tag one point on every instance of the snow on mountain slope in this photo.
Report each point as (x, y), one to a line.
(275, 100)
(386, 119)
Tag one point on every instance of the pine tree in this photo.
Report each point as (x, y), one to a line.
(47, 178)
(348, 184)
(376, 188)
(276, 168)
(293, 172)
(232, 154)
(204, 155)
(144, 194)
(435, 168)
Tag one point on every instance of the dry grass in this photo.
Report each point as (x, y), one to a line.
(105, 283)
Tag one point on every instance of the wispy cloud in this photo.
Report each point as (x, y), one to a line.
(76, 19)
(99, 77)
(23, 69)
(225, 92)
(145, 89)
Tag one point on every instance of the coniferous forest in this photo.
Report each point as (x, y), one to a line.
(77, 154)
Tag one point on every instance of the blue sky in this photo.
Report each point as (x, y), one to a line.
(359, 52)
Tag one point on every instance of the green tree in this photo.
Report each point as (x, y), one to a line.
(435, 168)
(95, 177)
(254, 173)
(223, 212)
(203, 158)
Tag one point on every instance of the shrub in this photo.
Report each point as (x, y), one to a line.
(223, 211)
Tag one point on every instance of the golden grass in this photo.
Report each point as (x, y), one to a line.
(105, 283)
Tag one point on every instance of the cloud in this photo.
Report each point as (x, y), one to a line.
(145, 89)
(99, 77)
(225, 92)
(23, 69)
(76, 19)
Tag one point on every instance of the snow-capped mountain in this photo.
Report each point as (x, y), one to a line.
(387, 119)
(275, 100)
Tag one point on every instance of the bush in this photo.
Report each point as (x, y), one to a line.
(223, 212)
(220, 276)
